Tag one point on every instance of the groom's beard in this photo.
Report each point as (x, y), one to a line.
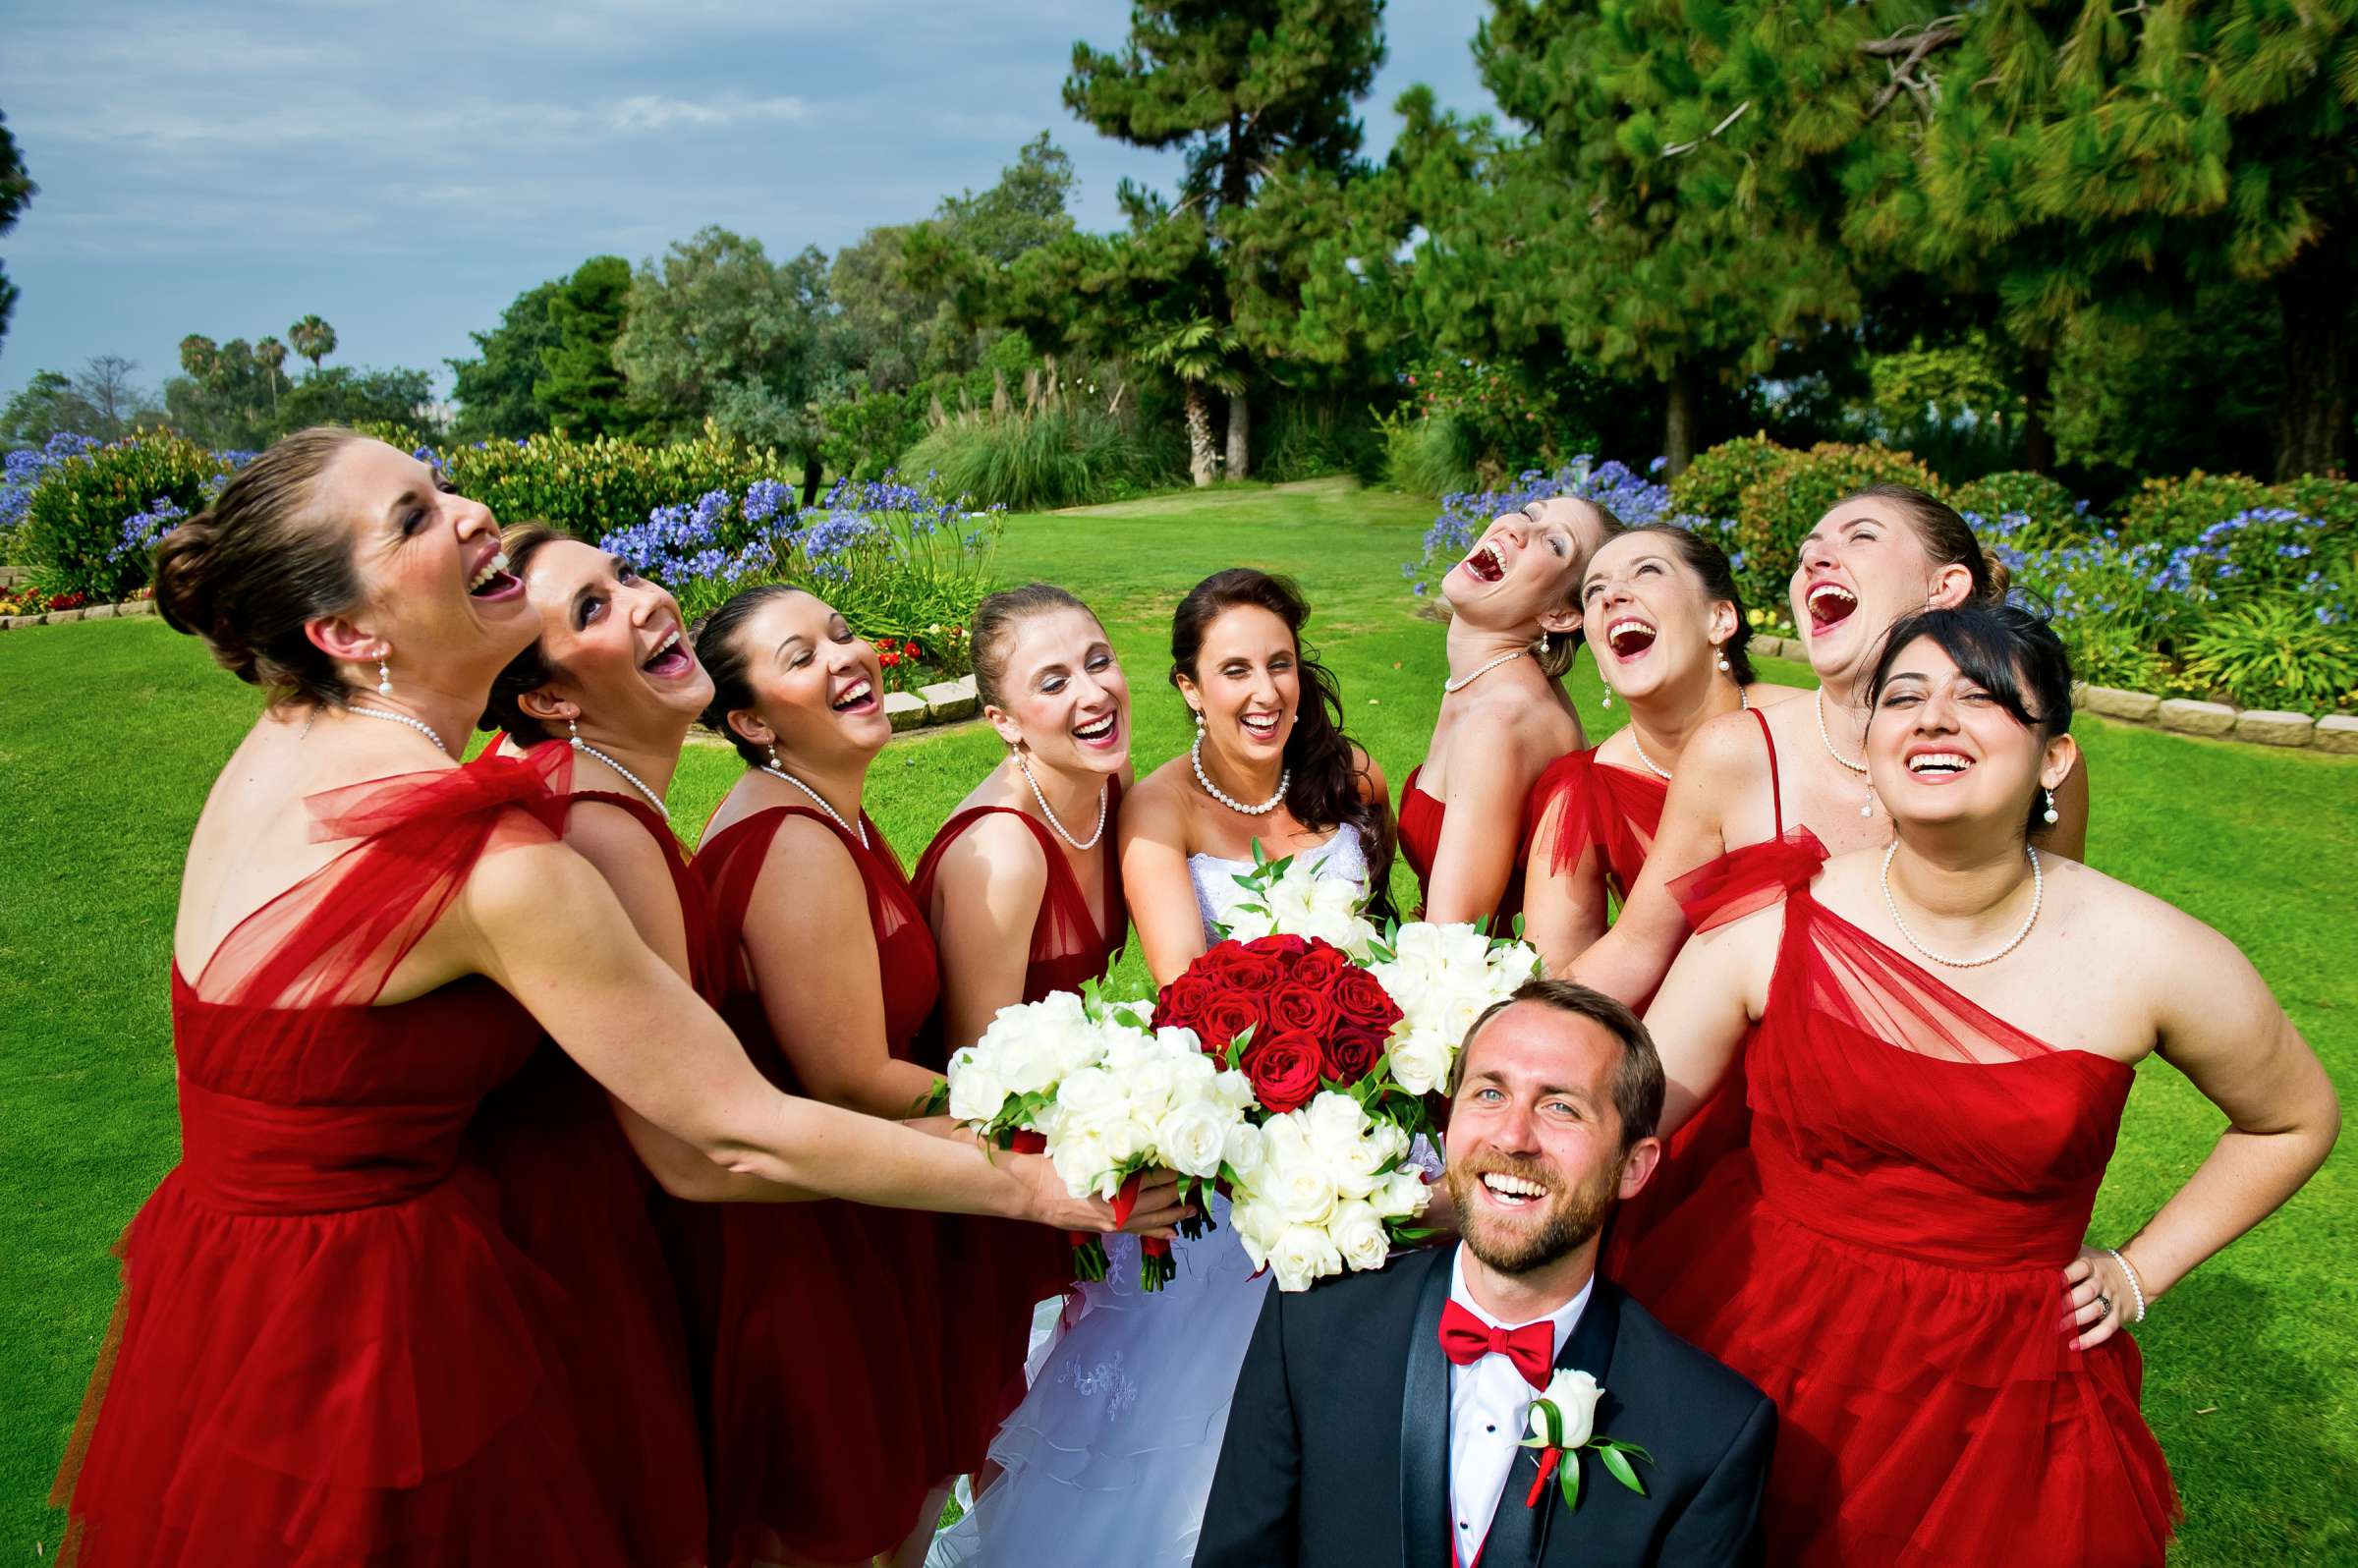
(1559, 1223)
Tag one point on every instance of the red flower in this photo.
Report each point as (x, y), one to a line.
(1227, 1015)
(913, 651)
(889, 658)
(1321, 966)
(1183, 1001)
(1284, 1069)
(1360, 998)
(1296, 1006)
(1250, 973)
(1351, 1050)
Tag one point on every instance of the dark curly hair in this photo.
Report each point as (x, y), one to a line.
(528, 671)
(1326, 787)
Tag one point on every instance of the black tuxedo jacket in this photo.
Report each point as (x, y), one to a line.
(1338, 1440)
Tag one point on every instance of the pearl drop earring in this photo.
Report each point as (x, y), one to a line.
(773, 755)
(573, 731)
(1723, 664)
(1867, 805)
(384, 676)
(2051, 813)
(1199, 713)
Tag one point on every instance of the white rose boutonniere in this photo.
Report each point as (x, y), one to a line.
(1563, 1423)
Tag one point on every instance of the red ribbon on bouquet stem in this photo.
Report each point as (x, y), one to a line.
(1548, 1460)
(1125, 1202)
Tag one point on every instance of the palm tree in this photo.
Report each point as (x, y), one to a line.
(271, 354)
(314, 339)
(1197, 352)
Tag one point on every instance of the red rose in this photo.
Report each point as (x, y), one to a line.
(1183, 1001)
(1227, 1015)
(1282, 948)
(1321, 966)
(1360, 998)
(1350, 1052)
(1250, 972)
(1284, 1069)
(1296, 1006)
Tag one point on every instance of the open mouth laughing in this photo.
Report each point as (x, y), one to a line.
(1488, 564)
(1937, 767)
(671, 658)
(858, 696)
(1099, 733)
(1829, 604)
(1259, 726)
(1629, 638)
(493, 579)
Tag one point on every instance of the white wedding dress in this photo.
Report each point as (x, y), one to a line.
(1109, 1458)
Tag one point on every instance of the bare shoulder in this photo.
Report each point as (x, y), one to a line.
(997, 858)
(1373, 789)
(1729, 747)
(1159, 799)
(808, 843)
(2163, 947)
(1768, 694)
(610, 835)
(514, 886)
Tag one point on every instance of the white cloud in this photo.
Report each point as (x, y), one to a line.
(655, 112)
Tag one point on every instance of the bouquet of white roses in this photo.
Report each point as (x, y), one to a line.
(1106, 1097)
(1441, 978)
(1326, 1188)
(1289, 898)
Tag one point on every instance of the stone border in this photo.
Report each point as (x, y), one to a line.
(88, 612)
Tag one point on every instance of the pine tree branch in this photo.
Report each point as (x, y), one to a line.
(1911, 52)
(1685, 147)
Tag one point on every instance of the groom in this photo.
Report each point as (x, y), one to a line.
(1378, 1416)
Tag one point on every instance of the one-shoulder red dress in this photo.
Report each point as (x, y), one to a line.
(1888, 1266)
(1739, 882)
(826, 1427)
(1598, 805)
(328, 1350)
(1001, 1270)
(1420, 827)
(575, 1196)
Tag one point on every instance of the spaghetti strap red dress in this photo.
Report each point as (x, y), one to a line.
(826, 1427)
(328, 1349)
(997, 1270)
(1888, 1266)
(1420, 827)
(576, 1199)
(1743, 879)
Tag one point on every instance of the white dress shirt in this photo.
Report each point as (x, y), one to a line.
(1487, 1403)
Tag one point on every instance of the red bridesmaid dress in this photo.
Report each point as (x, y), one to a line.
(576, 1199)
(1746, 878)
(1002, 1268)
(826, 1357)
(1615, 811)
(1420, 826)
(1888, 1266)
(328, 1350)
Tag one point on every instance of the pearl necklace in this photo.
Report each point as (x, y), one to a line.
(2037, 897)
(1867, 805)
(636, 782)
(1049, 811)
(1285, 777)
(1458, 682)
(1656, 769)
(391, 718)
(851, 830)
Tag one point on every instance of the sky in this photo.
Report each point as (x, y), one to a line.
(406, 171)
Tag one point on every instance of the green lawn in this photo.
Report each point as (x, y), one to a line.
(110, 732)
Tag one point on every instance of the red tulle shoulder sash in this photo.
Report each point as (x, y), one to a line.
(1748, 878)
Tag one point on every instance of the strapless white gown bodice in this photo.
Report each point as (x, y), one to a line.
(1110, 1456)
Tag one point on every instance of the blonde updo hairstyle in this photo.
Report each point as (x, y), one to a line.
(249, 570)
(1944, 535)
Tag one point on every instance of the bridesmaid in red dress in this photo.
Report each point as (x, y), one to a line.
(1503, 716)
(1941, 1034)
(1763, 793)
(828, 1443)
(329, 1348)
(1023, 892)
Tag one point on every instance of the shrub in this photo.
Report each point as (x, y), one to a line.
(1715, 482)
(1298, 437)
(2050, 510)
(590, 487)
(2276, 653)
(2174, 511)
(1427, 454)
(2333, 502)
(73, 536)
(1784, 502)
(1040, 459)
(23, 475)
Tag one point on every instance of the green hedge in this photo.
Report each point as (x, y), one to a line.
(73, 529)
(592, 488)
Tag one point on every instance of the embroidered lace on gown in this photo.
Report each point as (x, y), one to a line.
(999, 1270)
(828, 1416)
(328, 1350)
(575, 1196)
(1887, 1267)
(1419, 829)
(1743, 879)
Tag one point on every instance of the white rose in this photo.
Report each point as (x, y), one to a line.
(1302, 1190)
(1091, 1092)
(1245, 1152)
(1358, 1235)
(1403, 1196)
(1574, 1394)
(1192, 1137)
(1256, 1229)
(1086, 1165)
(1304, 1254)
(976, 1093)
(1419, 1063)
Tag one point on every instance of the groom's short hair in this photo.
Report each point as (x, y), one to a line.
(1636, 1076)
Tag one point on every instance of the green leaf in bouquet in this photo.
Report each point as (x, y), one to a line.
(1412, 1234)
(932, 1101)
(1567, 1479)
(1617, 1463)
(1518, 925)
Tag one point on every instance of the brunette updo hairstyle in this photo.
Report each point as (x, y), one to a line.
(1325, 790)
(1555, 654)
(722, 654)
(1945, 536)
(2007, 651)
(1709, 562)
(529, 670)
(993, 630)
(246, 572)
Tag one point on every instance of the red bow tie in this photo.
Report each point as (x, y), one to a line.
(1466, 1339)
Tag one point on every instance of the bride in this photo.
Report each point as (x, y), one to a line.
(1109, 1458)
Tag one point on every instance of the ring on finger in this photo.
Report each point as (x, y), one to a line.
(2103, 1307)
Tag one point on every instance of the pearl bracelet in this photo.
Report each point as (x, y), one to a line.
(2136, 1288)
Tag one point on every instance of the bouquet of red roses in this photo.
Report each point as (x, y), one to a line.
(1293, 1012)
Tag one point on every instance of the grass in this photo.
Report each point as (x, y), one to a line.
(110, 732)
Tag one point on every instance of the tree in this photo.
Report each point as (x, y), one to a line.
(1197, 352)
(347, 394)
(16, 190)
(271, 355)
(1024, 211)
(581, 390)
(494, 390)
(314, 339)
(1246, 88)
(717, 330)
(104, 383)
(46, 405)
